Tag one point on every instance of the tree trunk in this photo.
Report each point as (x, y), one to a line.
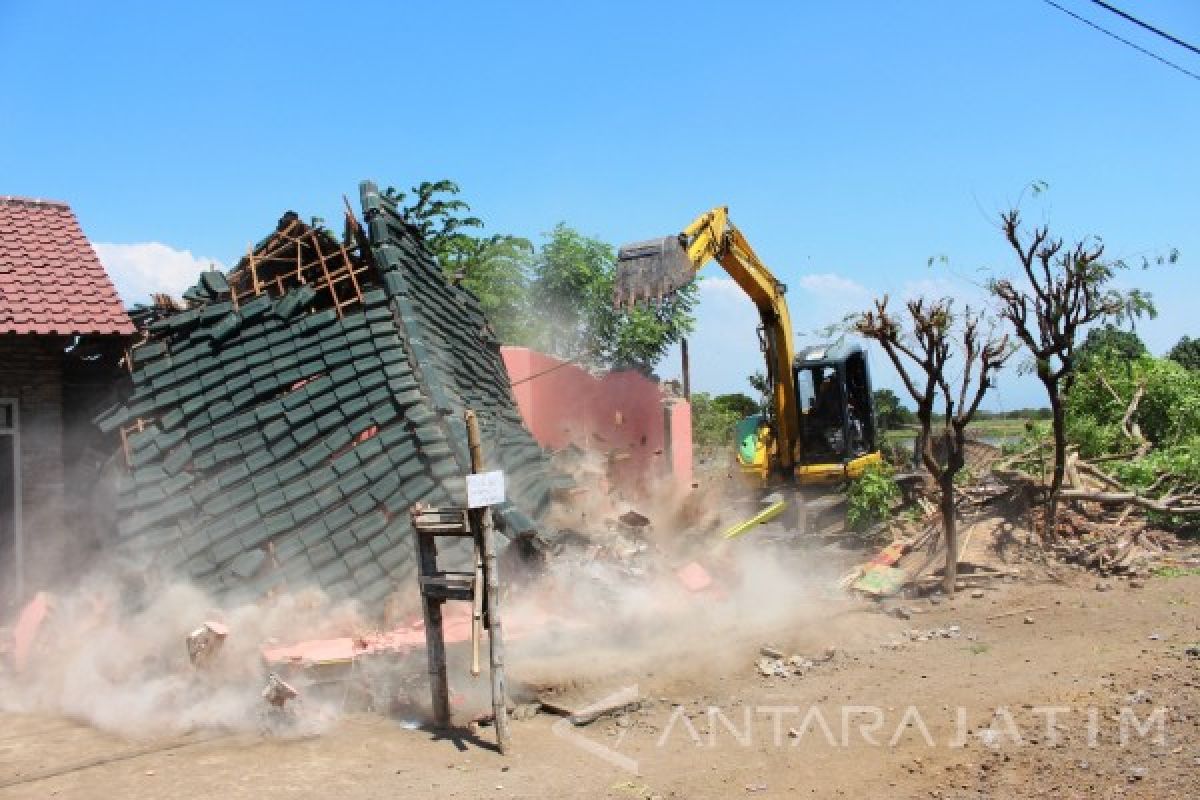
(950, 533)
(1050, 531)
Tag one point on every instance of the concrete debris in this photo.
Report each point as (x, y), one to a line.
(634, 520)
(792, 666)
(278, 692)
(694, 577)
(770, 652)
(25, 632)
(525, 711)
(205, 642)
(949, 632)
(918, 635)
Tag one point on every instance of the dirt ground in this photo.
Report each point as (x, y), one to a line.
(727, 731)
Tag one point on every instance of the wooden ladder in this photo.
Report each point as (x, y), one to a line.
(480, 588)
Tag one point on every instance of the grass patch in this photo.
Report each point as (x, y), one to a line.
(1174, 572)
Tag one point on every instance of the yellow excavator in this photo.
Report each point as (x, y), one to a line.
(820, 425)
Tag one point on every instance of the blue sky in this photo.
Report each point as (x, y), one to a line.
(852, 141)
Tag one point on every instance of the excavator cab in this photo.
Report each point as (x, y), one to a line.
(837, 431)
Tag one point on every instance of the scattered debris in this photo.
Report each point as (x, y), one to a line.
(633, 519)
(278, 692)
(25, 632)
(525, 711)
(694, 577)
(1017, 611)
(623, 700)
(205, 642)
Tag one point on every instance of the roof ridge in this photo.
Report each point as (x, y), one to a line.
(13, 200)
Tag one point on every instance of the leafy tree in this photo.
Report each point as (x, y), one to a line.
(1109, 341)
(1167, 410)
(890, 413)
(1186, 352)
(494, 268)
(738, 403)
(712, 423)
(435, 210)
(1062, 290)
(920, 349)
(557, 298)
(571, 293)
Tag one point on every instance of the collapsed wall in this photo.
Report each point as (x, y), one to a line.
(284, 422)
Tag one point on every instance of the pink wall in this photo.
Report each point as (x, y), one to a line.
(623, 411)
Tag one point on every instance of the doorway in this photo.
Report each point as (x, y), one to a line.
(11, 544)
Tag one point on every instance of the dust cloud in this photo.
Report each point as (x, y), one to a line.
(657, 591)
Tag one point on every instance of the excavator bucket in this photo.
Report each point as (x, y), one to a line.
(651, 270)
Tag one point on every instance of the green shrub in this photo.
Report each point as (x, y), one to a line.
(869, 499)
(1168, 413)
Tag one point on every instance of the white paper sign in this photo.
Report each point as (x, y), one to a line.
(485, 489)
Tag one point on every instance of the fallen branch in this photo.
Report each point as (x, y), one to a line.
(1129, 426)
(1148, 503)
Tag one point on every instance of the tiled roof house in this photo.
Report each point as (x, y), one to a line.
(60, 323)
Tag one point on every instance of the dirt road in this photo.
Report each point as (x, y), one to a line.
(914, 719)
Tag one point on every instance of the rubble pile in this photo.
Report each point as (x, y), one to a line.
(281, 424)
(1116, 547)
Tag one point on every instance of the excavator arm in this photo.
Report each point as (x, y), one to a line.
(649, 270)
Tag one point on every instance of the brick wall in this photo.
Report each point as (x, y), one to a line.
(624, 411)
(31, 372)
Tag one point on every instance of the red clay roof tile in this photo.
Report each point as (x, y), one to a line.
(51, 281)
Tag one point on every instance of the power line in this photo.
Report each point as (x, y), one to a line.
(1147, 26)
(1124, 41)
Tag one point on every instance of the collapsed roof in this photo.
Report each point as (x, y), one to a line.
(282, 425)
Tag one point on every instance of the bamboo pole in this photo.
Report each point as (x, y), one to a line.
(486, 543)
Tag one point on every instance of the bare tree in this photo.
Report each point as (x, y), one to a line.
(1066, 290)
(920, 356)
